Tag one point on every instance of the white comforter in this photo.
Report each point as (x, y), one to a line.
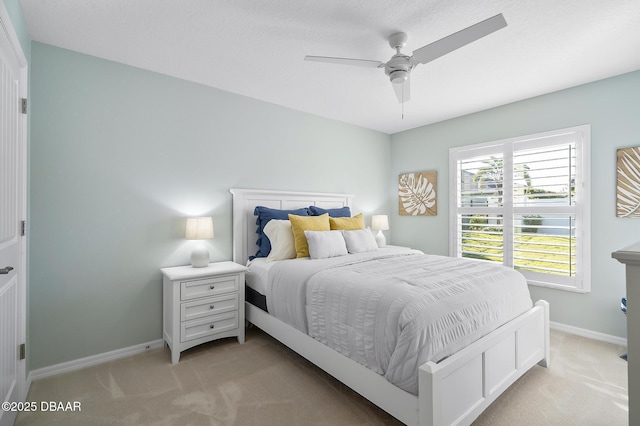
(394, 310)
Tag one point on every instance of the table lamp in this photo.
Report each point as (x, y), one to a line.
(199, 228)
(380, 223)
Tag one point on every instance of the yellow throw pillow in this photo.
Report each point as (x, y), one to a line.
(347, 223)
(299, 224)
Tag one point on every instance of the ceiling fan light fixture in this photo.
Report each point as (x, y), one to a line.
(398, 76)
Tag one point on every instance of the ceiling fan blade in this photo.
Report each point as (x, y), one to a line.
(456, 40)
(345, 61)
(403, 90)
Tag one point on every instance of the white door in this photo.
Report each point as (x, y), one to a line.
(12, 208)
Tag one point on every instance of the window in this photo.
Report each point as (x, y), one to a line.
(524, 202)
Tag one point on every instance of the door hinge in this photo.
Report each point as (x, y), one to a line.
(23, 351)
(23, 228)
(24, 105)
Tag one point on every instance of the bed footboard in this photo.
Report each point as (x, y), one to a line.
(456, 390)
(452, 392)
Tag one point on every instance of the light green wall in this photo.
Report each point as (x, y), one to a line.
(19, 25)
(120, 156)
(611, 107)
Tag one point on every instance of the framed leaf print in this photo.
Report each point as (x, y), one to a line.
(417, 194)
(628, 182)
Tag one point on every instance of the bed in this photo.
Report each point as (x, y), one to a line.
(453, 389)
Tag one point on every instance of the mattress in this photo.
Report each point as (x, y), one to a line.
(393, 310)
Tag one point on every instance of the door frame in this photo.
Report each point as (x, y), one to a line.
(6, 26)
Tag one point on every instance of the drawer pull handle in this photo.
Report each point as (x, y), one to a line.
(211, 287)
(211, 326)
(210, 306)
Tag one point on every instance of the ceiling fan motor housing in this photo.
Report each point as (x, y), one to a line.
(398, 68)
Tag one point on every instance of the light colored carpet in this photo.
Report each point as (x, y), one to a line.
(264, 383)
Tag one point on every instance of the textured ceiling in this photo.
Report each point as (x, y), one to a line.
(256, 49)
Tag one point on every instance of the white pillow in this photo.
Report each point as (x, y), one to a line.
(281, 238)
(360, 241)
(323, 244)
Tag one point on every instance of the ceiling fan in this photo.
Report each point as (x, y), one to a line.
(399, 67)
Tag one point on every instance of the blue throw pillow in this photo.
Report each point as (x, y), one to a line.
(265, 214)
(341, 212)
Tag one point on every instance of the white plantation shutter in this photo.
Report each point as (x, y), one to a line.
(523, 202)
(480, 206)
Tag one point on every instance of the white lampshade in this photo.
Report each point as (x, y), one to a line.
(380, 223)
(199, 228)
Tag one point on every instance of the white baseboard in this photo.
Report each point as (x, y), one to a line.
(77, 364)
(620, 341)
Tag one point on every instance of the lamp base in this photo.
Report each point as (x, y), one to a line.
(380, 239)
(199, 256)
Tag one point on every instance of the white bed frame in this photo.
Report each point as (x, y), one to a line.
(452, 392)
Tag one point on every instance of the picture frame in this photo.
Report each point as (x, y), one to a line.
(417, 193)
(628, 182)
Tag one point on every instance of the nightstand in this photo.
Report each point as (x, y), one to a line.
(202, 304)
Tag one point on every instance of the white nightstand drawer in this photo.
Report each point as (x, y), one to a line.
(207, 326)
(208, 287)
(205, 307)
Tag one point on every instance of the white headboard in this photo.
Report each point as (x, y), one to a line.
(246, 200)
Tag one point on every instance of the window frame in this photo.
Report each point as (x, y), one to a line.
(581, 283)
